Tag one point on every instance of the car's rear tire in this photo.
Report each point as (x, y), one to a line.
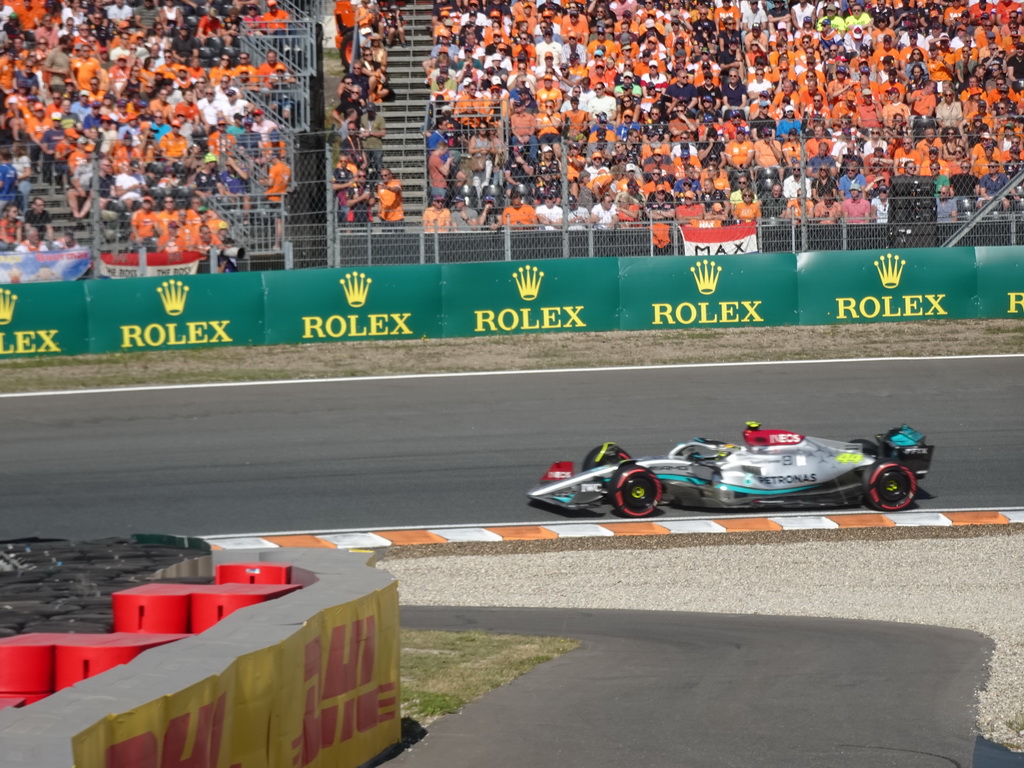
(607, 454)
(635, 491)
(889, 487)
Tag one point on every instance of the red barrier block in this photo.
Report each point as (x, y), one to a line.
(80, 656)
(158, 608)
(254, 573)
(26, 663)
(11, 701)
(209, 607)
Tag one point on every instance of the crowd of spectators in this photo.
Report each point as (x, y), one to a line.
(613, 112)
(131, 106)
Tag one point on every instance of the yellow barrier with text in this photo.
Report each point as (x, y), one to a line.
(325, 697)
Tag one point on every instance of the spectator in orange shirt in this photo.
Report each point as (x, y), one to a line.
(279, 176)
(173, 144)
(517, 213)
(747, 209)
(389, 200)
(146, 228)
(437, 218)
(739, 153)
(275, 20)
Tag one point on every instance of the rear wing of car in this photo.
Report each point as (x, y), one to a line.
(909, 447)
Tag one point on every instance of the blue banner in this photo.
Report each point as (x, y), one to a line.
(44, 266)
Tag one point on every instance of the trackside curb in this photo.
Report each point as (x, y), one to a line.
(372, 539)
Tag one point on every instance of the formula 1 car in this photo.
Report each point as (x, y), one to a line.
(774, 468)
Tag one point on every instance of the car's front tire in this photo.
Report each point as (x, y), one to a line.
(635, 491)
(889, 487)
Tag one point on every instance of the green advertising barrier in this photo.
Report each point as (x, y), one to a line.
(43, 319)
(886, 286)
(465, 300)
(725, 291)
(400, 302)
(1000, 282)
(175, 313)
(554, 295)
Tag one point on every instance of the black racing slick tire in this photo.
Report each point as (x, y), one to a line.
(608, 454)
(889, 487)
(635, 491)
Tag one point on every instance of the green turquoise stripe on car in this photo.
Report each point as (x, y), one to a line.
(740, 489)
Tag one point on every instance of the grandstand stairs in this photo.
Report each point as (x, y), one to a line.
(404, 148)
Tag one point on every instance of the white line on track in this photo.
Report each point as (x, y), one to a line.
(464, 374)
(734, 515)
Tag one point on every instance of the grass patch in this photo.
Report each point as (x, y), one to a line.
(444, 671)
(525, 352)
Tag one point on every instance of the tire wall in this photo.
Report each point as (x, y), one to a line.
(307, 680)
(499, 298)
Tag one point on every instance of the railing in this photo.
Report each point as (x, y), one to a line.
(374, 244)
(316, 226)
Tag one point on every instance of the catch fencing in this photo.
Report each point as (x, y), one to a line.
(335, 212)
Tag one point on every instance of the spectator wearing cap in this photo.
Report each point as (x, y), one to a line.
(575, 24)
(549, 213)
(894, 110)
(855, 208)
(868, 115)
(464, 218)
(204, 177)
(174, 145)
(549, 46)
(739, 152)
(437, 218)
(261, 124)
(275, 20)
(234, 104)
(518, 213)
(789, 121)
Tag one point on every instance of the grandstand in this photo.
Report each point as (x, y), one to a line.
(556, 129)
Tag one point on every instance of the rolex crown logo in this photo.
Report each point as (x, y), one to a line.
(7, 302)
(173, 294)
(357, 287)
(528, 282)
(706, 274)
(890, 270)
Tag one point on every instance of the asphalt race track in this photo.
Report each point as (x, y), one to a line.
(432, 451)
(679, 689)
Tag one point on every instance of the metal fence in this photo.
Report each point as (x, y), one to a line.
(335, 214)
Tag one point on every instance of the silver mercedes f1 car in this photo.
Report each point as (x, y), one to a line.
(773, 468)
